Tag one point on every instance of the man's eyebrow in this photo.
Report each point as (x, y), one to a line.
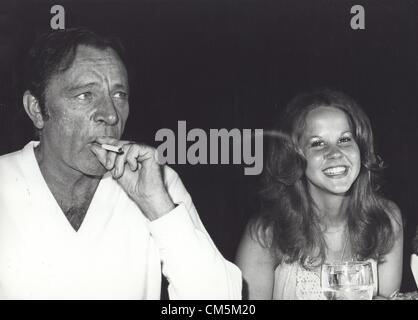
(89, 85)
(79, 86)
(120, 86)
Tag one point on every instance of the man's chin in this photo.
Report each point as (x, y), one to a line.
(94, 171)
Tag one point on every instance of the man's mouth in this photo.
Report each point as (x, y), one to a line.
(337, 171)
(94, 140)
(107, 147)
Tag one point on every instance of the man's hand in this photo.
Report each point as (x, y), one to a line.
(139, 174)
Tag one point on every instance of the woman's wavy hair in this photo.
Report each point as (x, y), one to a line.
(287, 221)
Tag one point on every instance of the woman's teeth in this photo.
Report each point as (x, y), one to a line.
(335, 171)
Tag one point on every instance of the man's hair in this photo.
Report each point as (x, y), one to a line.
(54, 52)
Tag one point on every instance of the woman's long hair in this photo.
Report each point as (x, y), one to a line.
(287, 221)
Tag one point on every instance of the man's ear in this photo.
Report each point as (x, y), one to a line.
(33, 109)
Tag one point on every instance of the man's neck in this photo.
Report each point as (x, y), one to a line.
(72, 190)
(60, 176)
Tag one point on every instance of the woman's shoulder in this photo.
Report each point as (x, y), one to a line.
(391, 208)
(260, 237)
(257, 261)
(394, 213)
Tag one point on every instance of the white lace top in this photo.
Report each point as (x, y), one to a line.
(293, 282)
(308, 284)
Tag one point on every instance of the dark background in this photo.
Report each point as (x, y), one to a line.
(233, 64)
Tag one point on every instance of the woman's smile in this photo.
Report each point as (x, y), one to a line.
(336, 172)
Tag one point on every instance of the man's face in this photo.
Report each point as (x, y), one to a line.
(88, 100)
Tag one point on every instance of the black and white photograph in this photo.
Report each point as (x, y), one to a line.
(208, 150)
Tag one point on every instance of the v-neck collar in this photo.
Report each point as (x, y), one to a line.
(97, 213)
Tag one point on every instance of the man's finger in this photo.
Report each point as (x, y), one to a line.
(120, 161)
(99, 153)
(131, 159)
(144, 152)
(110, 160)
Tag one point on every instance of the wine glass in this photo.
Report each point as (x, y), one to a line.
(351, 280)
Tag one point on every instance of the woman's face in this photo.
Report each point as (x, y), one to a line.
(332, 154)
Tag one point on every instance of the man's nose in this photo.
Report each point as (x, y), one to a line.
(106, 112)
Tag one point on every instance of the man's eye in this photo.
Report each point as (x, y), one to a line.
(85, 96)
(317, 144)
(121, 95)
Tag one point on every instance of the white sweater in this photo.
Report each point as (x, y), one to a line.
(116, 254)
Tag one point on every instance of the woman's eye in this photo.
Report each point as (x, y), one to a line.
(317, 144)
(345, 139)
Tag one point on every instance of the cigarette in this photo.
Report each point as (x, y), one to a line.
(111, 148)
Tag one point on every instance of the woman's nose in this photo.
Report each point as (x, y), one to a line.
(333, 152)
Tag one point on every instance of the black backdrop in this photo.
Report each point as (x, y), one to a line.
(232, 64)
